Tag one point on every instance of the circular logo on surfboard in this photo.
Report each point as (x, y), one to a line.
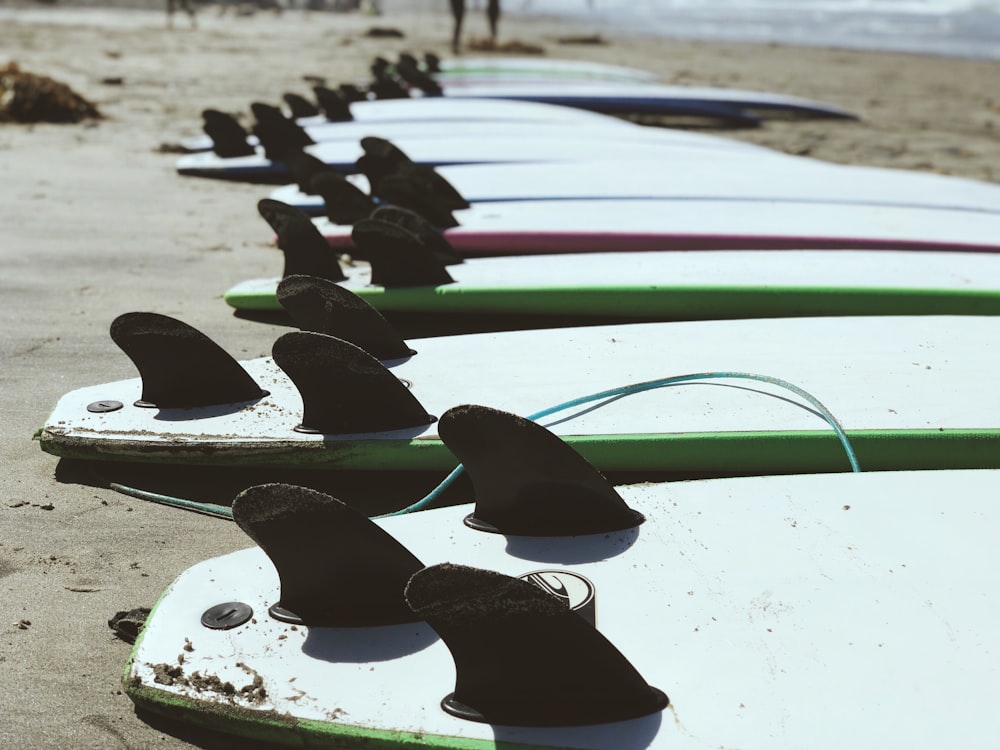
(575, 591)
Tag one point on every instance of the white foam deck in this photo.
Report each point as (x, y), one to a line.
(739, 269)
(881, 373)
(608, 224)
(832, 611)
(696, 175)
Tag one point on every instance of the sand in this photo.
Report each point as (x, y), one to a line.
(96, 223)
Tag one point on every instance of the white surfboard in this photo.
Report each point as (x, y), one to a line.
(630, 283)
(485, 145)
(696, 174)
(823, 611)
(912, 392)
(587, 226)
(433, 116)
(649, 98)
(461, 68)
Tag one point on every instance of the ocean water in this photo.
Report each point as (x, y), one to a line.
(962, 28)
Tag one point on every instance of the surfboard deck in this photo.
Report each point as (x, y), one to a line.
(873, 601)
(441, 112)
(695, 175)
(686, 285)
(459, 68)
(585, 226)
(653, 99)
(908, 390)
(507, 143)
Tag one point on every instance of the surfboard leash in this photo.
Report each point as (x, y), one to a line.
(612, 394)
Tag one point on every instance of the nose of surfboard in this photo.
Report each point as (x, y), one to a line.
(336, 567)
(522, 657)
(527, 481)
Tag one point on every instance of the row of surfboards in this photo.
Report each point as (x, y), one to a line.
(822, 319)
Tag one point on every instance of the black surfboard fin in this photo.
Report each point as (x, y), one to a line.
(334, 106)
(345, 202)
(180, 366)
(277, 134)
(307, 252)
(417, 78)
(522, 657)
(351, 93)
(527, 481)
(336, 567)
(430, 179)
(384, 86)
(322, 306)
(432, 62)
(399, 190)
(344, 389)
(398, 257)
(229, 138)
(299, 106)
(408, 59)
(418, 225)
(303, 166)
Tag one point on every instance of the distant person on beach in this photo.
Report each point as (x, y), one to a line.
(458, 13)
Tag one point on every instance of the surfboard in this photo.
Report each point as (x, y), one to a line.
(437, 117)
(684, 285)
(693, 174)
(642, 225)
(612, 97)
(654, 99)
(908, 390)
(506, 143)
(464, 68)
(753, 612)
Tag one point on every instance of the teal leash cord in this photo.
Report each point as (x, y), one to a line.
(650, 385)
(221, 511)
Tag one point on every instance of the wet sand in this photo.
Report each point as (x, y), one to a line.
(96, 223)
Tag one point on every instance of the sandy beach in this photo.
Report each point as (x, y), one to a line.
(96, 223)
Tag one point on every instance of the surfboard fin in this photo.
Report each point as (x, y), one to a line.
(418, 225)
(527, 481)
(307, 253)
(299, 106)
(398, 257)
(398, 190)
(276, 133)
(303, 166)
(385, 86)
(321, 306)
(409, 72)
(336, 567)
(345, 202)
(351, 93)
(427, 178)
(180, 366)
(344, 389)
(433, 62)
(335, 107)
(229, 138)
(522, 657)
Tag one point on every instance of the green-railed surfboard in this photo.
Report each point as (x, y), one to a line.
(417, 271)
(909, 391)
(559, 612)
